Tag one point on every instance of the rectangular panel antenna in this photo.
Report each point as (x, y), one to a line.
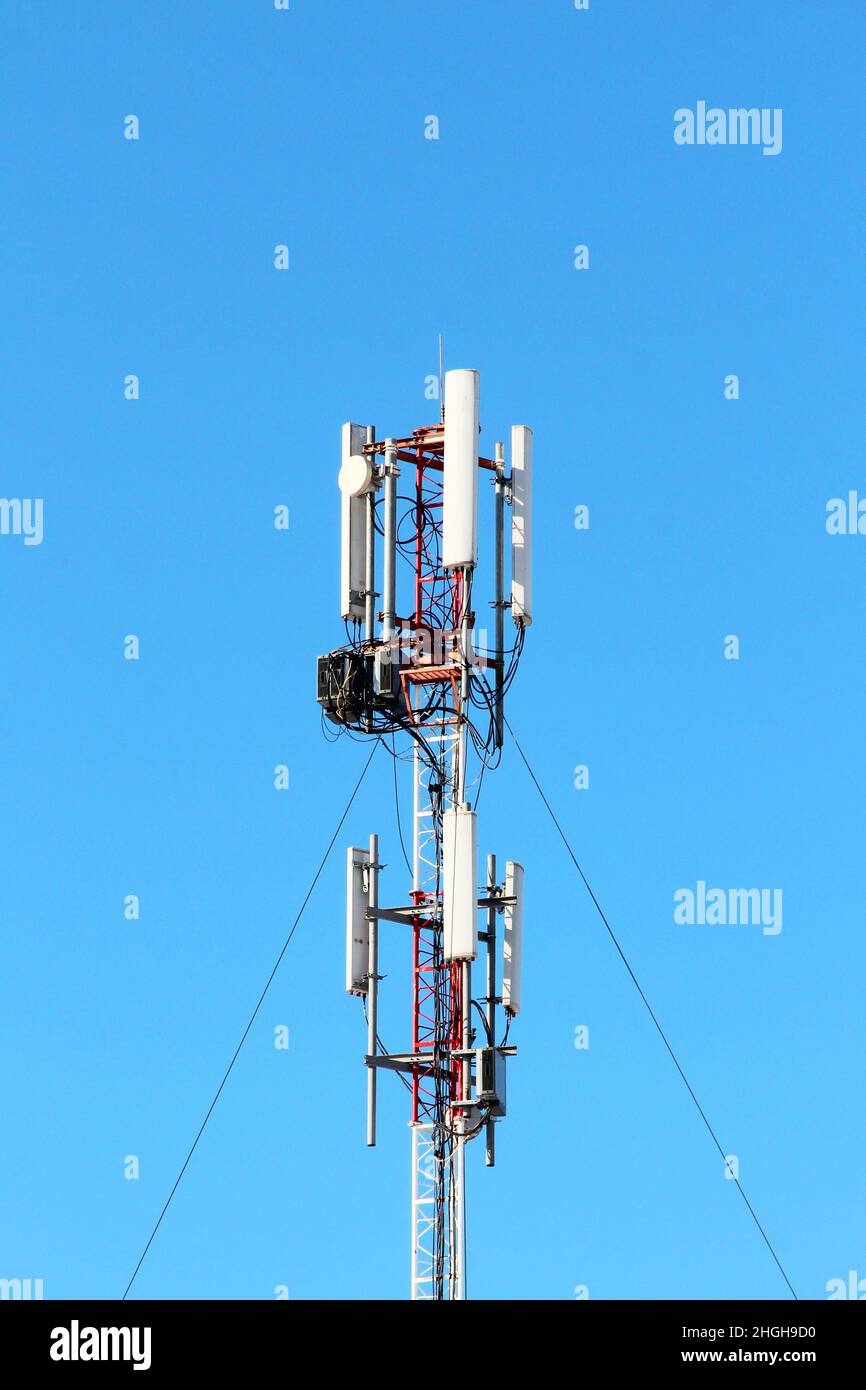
(512, 947)
(459, 884)
(353, 531)
(357, 926)
(521, 524)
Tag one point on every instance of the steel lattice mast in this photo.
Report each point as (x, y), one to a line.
(420, 678)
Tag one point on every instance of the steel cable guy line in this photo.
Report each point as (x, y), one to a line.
(252, 1018)
(648, 1007)
(397, 805)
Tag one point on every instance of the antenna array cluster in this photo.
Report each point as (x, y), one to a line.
(411, 668)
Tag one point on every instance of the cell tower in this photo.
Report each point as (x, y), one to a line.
(419, 678)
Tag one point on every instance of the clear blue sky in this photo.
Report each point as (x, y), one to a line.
(155, 777)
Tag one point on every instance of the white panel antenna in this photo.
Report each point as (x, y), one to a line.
(459, 884)
(356, 475)
(512, 948)
(357, 926)
(460, 486)
(521, 524)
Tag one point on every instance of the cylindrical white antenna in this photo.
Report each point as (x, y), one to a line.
(521, 524)
(460, 487)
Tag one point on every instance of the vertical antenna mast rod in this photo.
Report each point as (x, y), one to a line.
(372, 985)
(370, 576)
(489, 1129)
(441, 388)
(499, 601)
